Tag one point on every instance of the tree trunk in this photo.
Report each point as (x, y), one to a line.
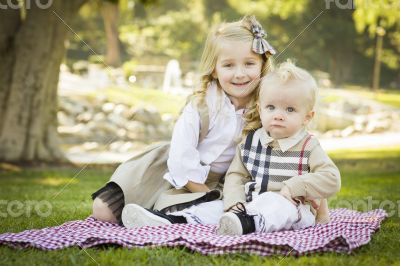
(33, 52)
(398, 81)
(110, 13)
(333, 69)
(9, 24)
(377, 62)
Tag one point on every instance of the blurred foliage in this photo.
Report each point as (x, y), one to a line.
(172, 34)
(266, 8)
(321, 35)
(370, 15)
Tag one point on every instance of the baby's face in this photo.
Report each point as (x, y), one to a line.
(284, 109)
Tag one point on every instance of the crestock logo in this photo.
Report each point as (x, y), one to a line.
(368, 204)
(27, 4)
(341, 4)
(366, 4)
(16, 208)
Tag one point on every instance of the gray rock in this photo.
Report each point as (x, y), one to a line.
(108, 107)
(121, 110)
(122, 133)
(90, 146)
(116, 119)
(136, 130)
(106, 128)
(85, 117)
(70, 106)
(78, 130)
(99, 117)
(64, 119)
(147, 116)
(152, 132)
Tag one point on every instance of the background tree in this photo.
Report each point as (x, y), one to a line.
(339, 42)
(31, 51)
(327, 43)
(381, 19)
(110, 13)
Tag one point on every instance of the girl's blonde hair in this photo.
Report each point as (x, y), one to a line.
(283, 74)
(234, 31)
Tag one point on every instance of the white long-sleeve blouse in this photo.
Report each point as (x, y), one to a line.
(190, 160)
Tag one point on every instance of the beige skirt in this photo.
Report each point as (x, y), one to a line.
(141, 181)
(178, 199)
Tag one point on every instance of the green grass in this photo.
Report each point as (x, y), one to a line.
(329, 98)
(389, 97)
(134, 96)
(366, 175)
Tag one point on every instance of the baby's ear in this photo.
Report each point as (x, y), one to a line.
(309, 116)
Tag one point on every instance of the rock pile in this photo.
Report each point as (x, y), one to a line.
(98, 124)
(348, 117)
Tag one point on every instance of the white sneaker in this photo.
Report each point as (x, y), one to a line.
(230, 224)
(134, 216)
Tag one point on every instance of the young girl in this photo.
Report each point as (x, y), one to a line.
(280, 170)
(234, 58)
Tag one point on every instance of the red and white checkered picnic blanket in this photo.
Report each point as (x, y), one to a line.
(346, 231)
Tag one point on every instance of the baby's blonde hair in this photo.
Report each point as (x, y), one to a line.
(233, 31)
(286, 72)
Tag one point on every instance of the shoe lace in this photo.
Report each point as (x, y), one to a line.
(240, 209)
(246, 219)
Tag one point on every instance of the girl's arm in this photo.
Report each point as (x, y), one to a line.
(196, 187)
(184, 159)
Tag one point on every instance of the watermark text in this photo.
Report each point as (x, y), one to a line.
(17, 208)
(27, 4)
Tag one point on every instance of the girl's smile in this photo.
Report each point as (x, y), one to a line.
(241, 83)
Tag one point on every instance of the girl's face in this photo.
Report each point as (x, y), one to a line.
(238, 71)
(284, 109)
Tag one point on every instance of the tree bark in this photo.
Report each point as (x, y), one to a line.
(10, 21)
(376, 73)
(110, 13)
(33, 52)
(341, 63)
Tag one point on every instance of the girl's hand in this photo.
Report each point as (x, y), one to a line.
(286, 193)
(196, 187)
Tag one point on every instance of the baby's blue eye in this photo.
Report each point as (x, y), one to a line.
(270, 107)
(290, 109)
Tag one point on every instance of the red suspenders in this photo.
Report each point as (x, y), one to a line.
(300, 169)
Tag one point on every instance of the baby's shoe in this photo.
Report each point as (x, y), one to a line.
(236, 222)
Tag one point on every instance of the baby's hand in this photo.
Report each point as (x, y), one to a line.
(286, 193)
(315, 204)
